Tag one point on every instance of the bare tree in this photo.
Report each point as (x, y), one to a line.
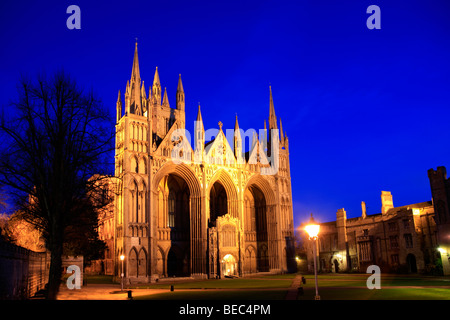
(56, 138)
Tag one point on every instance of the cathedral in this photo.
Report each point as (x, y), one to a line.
(200, 210)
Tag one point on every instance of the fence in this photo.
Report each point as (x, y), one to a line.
(22, 272)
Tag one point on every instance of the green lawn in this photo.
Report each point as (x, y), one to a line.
(241, 283)
(275, 287)
(98, 279)
(218, 295)
(382, 294)
(352, 280)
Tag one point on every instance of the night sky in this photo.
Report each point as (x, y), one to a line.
(364, 110)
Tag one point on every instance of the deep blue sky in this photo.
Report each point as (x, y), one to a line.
(365, 110)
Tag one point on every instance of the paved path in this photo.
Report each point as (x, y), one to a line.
(293, 290)
(103, 292)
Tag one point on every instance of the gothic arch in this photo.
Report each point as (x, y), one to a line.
(264, 186)
(143, 165)
(142, 263)
(196, 248)
(134, 164)
(225, 180)
(133, 263)
(160, 261)
(181, 170)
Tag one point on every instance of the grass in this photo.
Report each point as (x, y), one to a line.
(241, 283)
(387, 280)
(218, 295)
(98, 279)
(382, 294)
(275, 287)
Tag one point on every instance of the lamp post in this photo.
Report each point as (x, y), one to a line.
(313, 230)
(122, 257)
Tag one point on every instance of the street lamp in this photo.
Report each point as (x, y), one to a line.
(313, 230)
(122, 257)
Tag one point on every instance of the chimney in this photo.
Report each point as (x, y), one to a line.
(386, 201)
(363, 207)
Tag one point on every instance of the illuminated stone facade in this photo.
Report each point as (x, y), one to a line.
(206, 210)
(399, 239)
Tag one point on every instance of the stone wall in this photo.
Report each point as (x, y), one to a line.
(22, 272)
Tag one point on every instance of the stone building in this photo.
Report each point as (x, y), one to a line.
(399, 239)
(206, 210)
(440, 191)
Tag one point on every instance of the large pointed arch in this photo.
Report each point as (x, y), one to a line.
(264, 186)
(196, 251)
(225, 180)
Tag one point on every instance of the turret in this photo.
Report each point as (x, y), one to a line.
(156, 89)
(199, 130)
(118, 108)
(180, 95)
(238, 142)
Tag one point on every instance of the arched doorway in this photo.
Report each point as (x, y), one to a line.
(218, 202)
(411, 261)
(229, 265)
(335, 266)
(132, 263)
(177, 263)
(174, 223)
(187, 230)
(255, 225)
(142, 263)
(172, 264)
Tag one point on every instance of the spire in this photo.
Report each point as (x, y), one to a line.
(156, 89)
(135, 74)
(156, 78)
(118, 108)
(180, 95)
(134, 87)
(281, 131)
(199, 136)
(180, 84)
(272, 116)
(143, 93)
(237, 141)
(165, 98)
(199, 115)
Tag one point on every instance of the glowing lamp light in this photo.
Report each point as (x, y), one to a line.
(312, 229)
(122, 257)
(441, 250)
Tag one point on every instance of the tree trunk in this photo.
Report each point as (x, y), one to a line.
(55, 272)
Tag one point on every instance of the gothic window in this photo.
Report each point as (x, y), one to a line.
(171, 220)
(394, 259)
(392, 226)
(408, 240)
(393, 240)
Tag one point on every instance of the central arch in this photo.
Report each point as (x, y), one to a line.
(221, 179)
(218, 202)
